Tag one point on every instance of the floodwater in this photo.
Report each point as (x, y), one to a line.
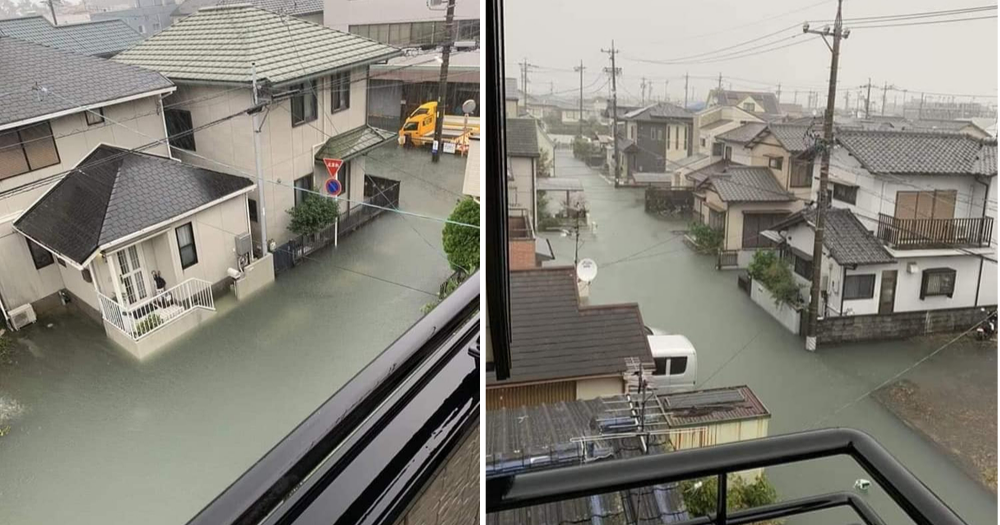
(681, 292)
(108, 440)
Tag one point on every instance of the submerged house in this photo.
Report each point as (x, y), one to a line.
(141, 241)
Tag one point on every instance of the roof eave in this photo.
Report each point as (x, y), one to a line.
(81, 109)
(327, 72)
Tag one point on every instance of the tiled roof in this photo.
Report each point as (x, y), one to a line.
(749, 184)
(716, 168)
(626, 144)
(660, 110)
(114, 193)
(795, 139)
(742, 134)
(514, 437)
(847, 239)
(914, 152)
(220, 44)
(986, 160)
(71, 80)
(357, 141)
(101, 38)
(149, 15)
(703, 407)
(734, 98)
(284, 7)
(522, 137)
(553, 337)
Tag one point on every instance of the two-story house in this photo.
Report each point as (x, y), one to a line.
(663, 135)
(313, 81)
(51, 118)
(523, 156)
(761, 103)
(912, 224)
(101, 38)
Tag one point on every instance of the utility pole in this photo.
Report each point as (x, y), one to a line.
(52, 8)
(920, 112)
(868, 98)
(847, 101)
(449, 37)
(685, 90)
(642, 92)
(613, 71)
(719, 92)
(885, 90)
(580, 70)
(261, 208)
(779, 92)
(666, 91)
(795, 97)
(824, 175)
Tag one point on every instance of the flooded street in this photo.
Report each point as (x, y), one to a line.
(643, 259)
(105, 439)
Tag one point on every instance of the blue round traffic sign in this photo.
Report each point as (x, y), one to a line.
(333, 187)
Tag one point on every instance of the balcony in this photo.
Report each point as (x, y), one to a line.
(151, 323)
(934, 233)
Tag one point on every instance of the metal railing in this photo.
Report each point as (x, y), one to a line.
(151, 314)
(926, 233)
(519, 490)
(728, 259)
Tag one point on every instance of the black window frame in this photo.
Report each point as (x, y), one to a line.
(304, 90)
(802, 267)
(845, 193)
(252, 211)
(20, 144)
(179, 121)
(775, 162)
(678, 365)
(340, 91)
(861, 293)
(97, 114)
(301, 190)
(39, 255)
(932, 272)
(193, 245)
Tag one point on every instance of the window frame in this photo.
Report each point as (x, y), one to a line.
(756, 240)
(253, 213)
(88, 115)
(340, 91)
(851, 196)
(306, 89)
(937, 272)
(793, 181)
(776, 163)
(857, 277)
(193, 245)
(39, 259)
(20, 145)
(302, 191)
(173, 119)
(674, 365)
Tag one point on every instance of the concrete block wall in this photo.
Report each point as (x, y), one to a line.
(856, 328)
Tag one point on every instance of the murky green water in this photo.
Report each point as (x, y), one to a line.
(682, 292)
(107, 440)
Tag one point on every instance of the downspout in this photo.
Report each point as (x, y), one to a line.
(986, 200)
(166, 134)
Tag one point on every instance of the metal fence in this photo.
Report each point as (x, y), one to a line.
(921, 233)
(153, 313)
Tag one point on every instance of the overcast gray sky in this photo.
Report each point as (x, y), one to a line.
(957, 58)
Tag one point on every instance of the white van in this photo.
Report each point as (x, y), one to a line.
(676, 363)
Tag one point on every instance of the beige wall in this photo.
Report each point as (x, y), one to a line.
(20, 282)
(770, 147)
(599, 387)
(287, 152)
(73, 279)
(523, 171)
(511, 107)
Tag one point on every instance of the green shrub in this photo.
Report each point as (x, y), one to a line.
(461, 243)
(776, 275)
(6, 350)
(700, 500)
(313, 215)
(706, 238)
(150, 322)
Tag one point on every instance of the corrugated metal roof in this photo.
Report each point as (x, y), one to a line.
(220, 44)
(98, 38)
(710, 406)
(71, 80)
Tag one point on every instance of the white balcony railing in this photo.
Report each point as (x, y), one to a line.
(151, 314)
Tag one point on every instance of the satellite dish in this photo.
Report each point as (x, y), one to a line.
(469, 106)
(586, 270)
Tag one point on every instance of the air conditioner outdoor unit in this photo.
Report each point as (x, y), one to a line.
(22, 316)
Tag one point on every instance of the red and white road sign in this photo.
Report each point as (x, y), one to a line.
(333, 166)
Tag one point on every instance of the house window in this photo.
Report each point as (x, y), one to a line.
(703, 143)
(304, 103)
(754, 223)
(142, 29)
(340, 91)
(344, 176)
(156, 27)
(185, 245)
(801, 174)
(40, 256)
(677, 138)
(303, 187)
(934, 204)
(685, 138)
(728, 155)
(468, 29)
(716, 220)
(25, 149)
(802, 267)
(252, 208)
(845, 193)
(749, 106)
(859, 286)
(179, 121)
(718, 149)
(94, 116)
(937, 281)
(775, 162)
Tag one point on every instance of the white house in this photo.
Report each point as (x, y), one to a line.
(315, 81)
(51, 118)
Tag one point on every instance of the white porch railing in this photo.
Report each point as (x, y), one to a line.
(151, 314)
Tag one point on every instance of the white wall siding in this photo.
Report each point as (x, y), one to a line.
(20, 282)
(522, 169)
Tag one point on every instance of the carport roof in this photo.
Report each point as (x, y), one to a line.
(115, 193)
(350, 144)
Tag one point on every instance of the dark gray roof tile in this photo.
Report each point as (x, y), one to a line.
(522, 137)
(847, 239)
(743, 134)
(98, 38)
(916, 152)
(749, 184)
(660, 110)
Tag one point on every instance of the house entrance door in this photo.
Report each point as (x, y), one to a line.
(132, 275)
(887, 294)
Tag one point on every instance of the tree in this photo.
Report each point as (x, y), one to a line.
(544, 164)
(313, 215)
(700, 496)
(461, 243)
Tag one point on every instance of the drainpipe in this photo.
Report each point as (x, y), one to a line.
(986, 200)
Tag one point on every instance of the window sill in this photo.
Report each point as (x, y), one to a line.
(339, 110)
(304, 122)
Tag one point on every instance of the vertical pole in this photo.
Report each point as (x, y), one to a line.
(261, 207)
(449, 37)
(580, 69)
(53, 9)
(868, 98)
(885, 90)
(720, 504)
(685, 90)
(920, 112)
(614, 110)
(824, 174)
(779, 92)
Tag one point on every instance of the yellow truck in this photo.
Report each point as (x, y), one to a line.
(418, 129)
